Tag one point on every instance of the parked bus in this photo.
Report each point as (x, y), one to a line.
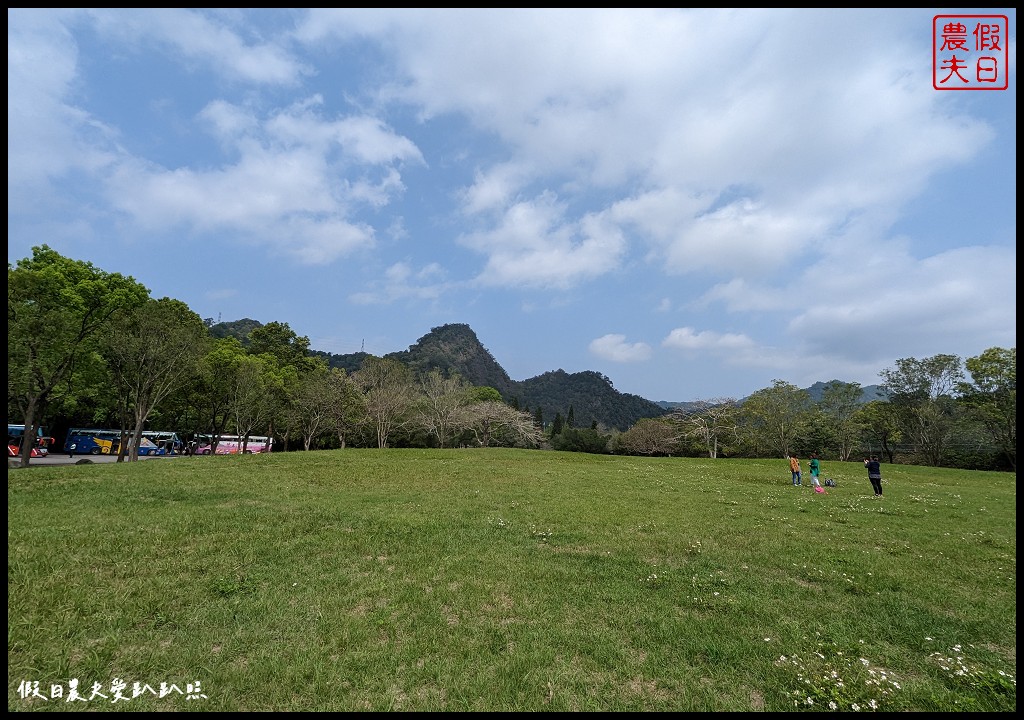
(169, 442)
(90, 441)
(85, 441)
(15, 435)
(232, 444)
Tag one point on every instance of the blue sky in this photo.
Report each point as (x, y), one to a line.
(692, 202)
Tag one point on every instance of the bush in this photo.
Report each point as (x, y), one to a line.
(580, 440)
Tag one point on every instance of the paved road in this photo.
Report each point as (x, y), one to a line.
(63, 459)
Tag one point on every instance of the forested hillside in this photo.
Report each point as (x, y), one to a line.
(455, 348)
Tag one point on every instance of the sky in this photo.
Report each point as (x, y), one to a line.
(694, 203)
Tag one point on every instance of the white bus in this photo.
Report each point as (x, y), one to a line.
(232, 444)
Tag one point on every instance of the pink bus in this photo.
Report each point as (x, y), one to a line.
(232, 445)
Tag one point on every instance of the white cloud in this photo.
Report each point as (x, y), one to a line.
(201, 38)
(287, 186)
(686, 338)
(47, 136)
(535, 246)
(402, 282)
(802, 118)
(615, 348)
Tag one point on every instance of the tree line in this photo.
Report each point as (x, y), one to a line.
(94, 348)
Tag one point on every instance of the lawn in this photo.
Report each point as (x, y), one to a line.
(507, 580)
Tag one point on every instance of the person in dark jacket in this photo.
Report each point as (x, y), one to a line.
(874, 474)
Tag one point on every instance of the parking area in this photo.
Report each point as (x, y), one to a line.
(65, 459)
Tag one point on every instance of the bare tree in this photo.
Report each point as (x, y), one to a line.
(441, 407)
(493, 420)
(710, 421)
(650, 436)
(389, 393)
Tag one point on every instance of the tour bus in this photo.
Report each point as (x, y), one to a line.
(168, 442)
(16, 433)
(83, 441)
(232, 444)
(86, 441)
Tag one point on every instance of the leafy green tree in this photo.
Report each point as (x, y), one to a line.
(479, 393)
(585, 440)
(557, 424)
(570, 419)
(777, 415)
(991, 397)
(538, 417)
(156, 349)
(56, 309)
(348, 410)
(256, 383)
(923, 394)
(279, 340)
(210, 402)
(880, 426)
(838, 405)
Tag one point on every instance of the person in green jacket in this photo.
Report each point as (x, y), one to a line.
(815, 467)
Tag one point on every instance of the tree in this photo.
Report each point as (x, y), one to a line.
(311, 403)
(557, 424)
(650, 436)
(389, 394)
(570, 419)
(279, 340)
(256, 385)
(441, 405)
(586, 440)
(155, 349)
(214, 390)
(880, 425)
(991, 397)
(492, 420)
(709, 421)
(347, 408)
(56, 308)
(777, 415)
(922, 392)
(838, 405)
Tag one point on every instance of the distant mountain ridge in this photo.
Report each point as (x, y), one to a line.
(868, 393)
(455, 348)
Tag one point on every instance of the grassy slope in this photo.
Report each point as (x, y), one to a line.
(511, 580)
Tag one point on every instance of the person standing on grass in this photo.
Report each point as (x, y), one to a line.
(794, 466)
(874, 474)
(815, 467)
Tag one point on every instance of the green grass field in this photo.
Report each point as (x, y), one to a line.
(508, 580)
